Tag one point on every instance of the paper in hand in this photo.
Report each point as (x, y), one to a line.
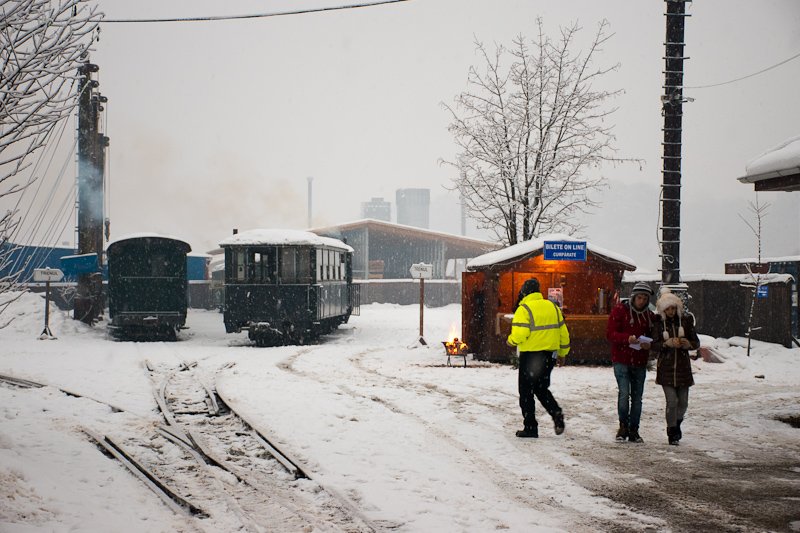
(638, 344)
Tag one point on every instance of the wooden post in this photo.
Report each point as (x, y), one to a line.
(421, 271)
(46, 330)
(421, 305)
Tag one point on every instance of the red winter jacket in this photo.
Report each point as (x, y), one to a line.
(622, 323)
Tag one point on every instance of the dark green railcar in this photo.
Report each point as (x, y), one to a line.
(287, 286)
(147, 286)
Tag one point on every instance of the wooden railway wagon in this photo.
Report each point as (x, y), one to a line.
(147, 285)
(287, 286)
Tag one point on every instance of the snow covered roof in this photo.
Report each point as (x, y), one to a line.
(782, 161)
(391, 226)
(282, 237)
(631, 277)
(144, 235)
(784, 259)
(533, 246)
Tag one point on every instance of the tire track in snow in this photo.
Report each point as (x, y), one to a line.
(558, 497)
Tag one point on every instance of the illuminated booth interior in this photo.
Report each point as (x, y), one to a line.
(583, 279)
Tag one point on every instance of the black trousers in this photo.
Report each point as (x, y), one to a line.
(534, 382)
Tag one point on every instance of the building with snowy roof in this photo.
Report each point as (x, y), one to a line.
(384, 253)
(777, 169)
(774, 265)
(581, 277)
(721, 303)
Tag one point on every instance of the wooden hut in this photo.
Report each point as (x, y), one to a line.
(584, 279)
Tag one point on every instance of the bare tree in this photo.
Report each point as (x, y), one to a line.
(533, 136)
(42, 44)
(759, 212)
(756, 279)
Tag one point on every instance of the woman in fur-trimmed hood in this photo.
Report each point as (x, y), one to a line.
(673, 336)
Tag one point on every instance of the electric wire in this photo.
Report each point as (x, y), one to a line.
(776, 65)
(29, 235)
(256, 15)
(39, 215)
(47, 240)
(45, 248)
(40, 157)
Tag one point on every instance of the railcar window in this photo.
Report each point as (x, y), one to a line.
(268, 266)
(254, 267)
(342, 274)
(319, 265)
(238, 265)
(303, 265)
(161, 266)
(337, 262)
(288, 271)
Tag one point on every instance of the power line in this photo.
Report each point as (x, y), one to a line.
(748, 76)
(258, 15)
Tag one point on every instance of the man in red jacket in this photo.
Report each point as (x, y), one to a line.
(627, 323)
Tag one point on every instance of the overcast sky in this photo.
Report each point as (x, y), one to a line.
(216, 125)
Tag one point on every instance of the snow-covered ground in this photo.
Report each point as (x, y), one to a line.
(414, 444)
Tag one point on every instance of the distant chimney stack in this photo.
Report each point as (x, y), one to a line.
(310, 179)
(413, 207)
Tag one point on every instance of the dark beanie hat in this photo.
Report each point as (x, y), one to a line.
(529, 287)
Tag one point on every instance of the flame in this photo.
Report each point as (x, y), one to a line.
(453, 334)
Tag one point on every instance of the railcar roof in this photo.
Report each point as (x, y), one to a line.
(282, 237)
(142, 235)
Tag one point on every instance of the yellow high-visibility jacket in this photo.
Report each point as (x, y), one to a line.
(538, 325)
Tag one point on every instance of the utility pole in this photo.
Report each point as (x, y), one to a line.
(91, 162)
(310, 179)
(672, 110)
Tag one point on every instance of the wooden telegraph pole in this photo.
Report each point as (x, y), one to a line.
(672, 110)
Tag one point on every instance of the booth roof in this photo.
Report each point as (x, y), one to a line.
(532, 246)
(282, 237)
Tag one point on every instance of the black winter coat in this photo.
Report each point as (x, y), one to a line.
(674, 367)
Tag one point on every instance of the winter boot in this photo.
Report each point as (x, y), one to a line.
(633, 435)
(622, 432)
(678, 434)
(558, 420)
(528, 433)
(672, 435)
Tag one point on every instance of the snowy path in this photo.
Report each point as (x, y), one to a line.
(413, 444)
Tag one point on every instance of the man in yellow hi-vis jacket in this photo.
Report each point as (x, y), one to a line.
(539, 332)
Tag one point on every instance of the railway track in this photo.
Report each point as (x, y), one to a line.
(272, 489)
(211, 467)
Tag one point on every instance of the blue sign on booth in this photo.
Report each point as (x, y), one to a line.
(762, 291)
(565, 250)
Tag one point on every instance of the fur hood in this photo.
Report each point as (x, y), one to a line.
(666, 300)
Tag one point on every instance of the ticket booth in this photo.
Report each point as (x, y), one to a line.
(582, 279)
